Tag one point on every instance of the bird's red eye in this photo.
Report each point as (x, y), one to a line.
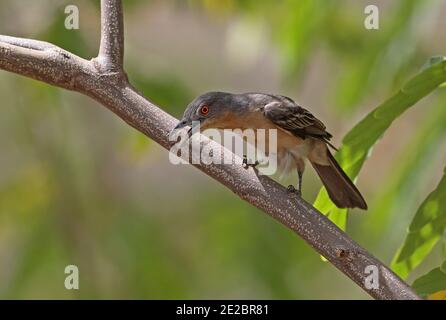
(204, 110)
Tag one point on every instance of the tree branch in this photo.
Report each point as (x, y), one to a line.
(111, 50)
(104, 79)
(45, 62)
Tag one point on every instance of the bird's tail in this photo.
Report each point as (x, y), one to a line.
(340, 188)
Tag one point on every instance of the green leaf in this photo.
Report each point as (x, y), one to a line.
(433, 60)
(397, 198)
(426, 229)
(432, 282)
(358, 143)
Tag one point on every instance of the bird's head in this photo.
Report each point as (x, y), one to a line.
(211, 108)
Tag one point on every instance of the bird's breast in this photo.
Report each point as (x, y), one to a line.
(279, 141)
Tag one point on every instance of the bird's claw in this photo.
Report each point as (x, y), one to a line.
(246, 165)
(292, 189)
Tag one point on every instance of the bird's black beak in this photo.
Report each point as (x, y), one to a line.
(181, 124)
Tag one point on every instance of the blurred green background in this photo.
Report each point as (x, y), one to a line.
(79, 186)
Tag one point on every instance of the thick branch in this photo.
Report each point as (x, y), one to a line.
(106, 82)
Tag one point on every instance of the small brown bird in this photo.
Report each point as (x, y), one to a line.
(300, 136)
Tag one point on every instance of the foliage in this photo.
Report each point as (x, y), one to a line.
(432, 284)
(358, 143)
(426, 229)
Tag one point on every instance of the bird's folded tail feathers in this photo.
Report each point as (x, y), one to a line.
(340, 188)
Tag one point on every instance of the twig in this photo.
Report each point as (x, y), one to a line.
(104, 79)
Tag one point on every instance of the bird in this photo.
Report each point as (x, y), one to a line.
(300, 136)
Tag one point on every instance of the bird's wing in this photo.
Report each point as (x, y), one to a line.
(296, 120)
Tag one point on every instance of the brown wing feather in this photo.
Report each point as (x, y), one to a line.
(297, 120)
(300, 122)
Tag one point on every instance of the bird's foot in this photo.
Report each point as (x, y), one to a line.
(292, 189)
(246, 164)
